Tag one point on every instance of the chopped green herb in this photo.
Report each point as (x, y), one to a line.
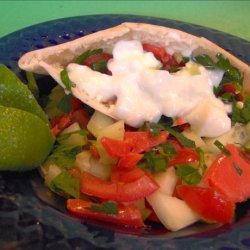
(154, 128)
(231, 74)
(185, 59)
(64, 156)
(167, 149)
(166, 121)
(189, 174)
(153, 162)
(32, 85)
(222, 148)
(100, 66)
(181, 138)
(106, 207)
(174, 69)
(66, 81)
(157, 159)
(65, 136)
(204, 60)
(227, 96)
(241, 115)
(66, 184)
(87, 54)
(65, 104)
(202, 164)
(238, 169)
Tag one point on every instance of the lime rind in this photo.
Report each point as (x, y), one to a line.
(15, 94)
(25, 142)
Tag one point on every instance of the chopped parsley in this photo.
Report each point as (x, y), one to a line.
(202, 164)
(66, 81)
(100, 66)
(153, 161)
(231, 75)
(181, 138)
(222, 148)
(65, 136)
(66, 184)
(106, 207)
(155, 128)
(64, 156)
(241, 115)
(188, 173)
(237, 169)
(65, 104)
(157, 159)
(87, 54)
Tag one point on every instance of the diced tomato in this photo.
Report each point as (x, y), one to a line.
(94, 186)
(94, 152)
(76, 173)
(208, 203)
(229, 87)
(179, 120)
(116, 148)
(239, 97)
(184, 156)
(184, 126)
(144, 141)
(230, 175)
(137, 189)
(129, 160)
(117, 191)
(60, 123)
(97, 57)
(175, 144)
(82, 117)
(159, 52)
(75, 104)
(127, 215)
(128, 175)
(115, 175)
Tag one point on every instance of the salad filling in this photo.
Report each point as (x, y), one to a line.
(143, 134)
(136, 78)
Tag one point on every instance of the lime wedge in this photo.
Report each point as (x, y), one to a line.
(25, 140)
(15, 94)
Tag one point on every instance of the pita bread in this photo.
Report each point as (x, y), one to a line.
(52, 60)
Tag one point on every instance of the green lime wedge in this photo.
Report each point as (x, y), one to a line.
(25, 140)
(15, 94)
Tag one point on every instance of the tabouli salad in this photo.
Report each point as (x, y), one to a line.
(167, 137)
(164, 170)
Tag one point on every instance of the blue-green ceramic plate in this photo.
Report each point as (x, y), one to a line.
(33, 218)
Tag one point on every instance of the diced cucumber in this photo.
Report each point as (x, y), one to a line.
(237, 134)
(99, 121)
(75, 138)
(83, 161)
(194, 137)
(114, 131)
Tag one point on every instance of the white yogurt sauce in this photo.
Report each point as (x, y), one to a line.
(143, 92)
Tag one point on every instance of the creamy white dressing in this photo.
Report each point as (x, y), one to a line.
(144, 92)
